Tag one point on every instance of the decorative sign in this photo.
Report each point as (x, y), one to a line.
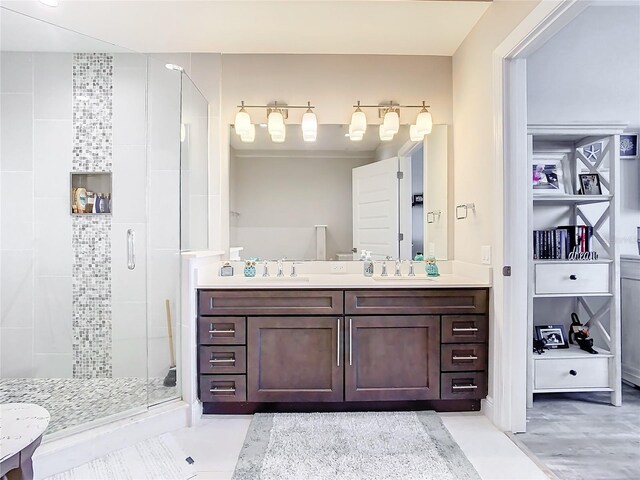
(576, 254)
(417, 199)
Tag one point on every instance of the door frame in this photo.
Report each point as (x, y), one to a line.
(507, 408)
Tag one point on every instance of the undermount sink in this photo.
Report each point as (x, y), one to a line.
(407, 278)
(276, 279)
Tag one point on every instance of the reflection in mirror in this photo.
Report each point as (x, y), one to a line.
(323, 200)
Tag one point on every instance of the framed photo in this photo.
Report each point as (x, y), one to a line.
(553, 336)
(590, 184)
(547, 177)
(629, 145)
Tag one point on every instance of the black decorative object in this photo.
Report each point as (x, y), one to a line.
(580, 333)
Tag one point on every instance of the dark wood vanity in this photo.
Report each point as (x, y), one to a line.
(296, 350)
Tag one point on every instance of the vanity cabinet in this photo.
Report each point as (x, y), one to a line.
(294, 359)
(342, 349)
(392, 358)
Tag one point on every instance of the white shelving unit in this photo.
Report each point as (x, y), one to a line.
(591, 288)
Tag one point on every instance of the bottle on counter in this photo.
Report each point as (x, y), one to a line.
(368, 265)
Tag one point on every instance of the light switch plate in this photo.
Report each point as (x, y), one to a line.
(485, 254)
(338, 267)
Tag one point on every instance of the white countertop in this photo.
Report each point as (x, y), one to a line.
(341, 281)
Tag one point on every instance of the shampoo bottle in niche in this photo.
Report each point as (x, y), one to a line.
(368, 265)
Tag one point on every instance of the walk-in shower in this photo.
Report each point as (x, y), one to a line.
(103, 182)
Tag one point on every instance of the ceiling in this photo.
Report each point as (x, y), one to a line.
(395, 27)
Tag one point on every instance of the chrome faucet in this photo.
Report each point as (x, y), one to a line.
(398, 267)
(293, 269)
(411, 272)
(265, 272)
(280, 268)
(384, 270)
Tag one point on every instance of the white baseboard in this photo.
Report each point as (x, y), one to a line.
(62, 454)
(486, 407)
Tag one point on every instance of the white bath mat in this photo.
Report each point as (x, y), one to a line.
(158, 458)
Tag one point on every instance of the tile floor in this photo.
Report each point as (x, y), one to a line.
(581, 436)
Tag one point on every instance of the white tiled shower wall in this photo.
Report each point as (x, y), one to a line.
(35, 234)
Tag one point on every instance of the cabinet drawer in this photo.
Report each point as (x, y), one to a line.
(408, 302)
(270, 302)
(222, 330)
(223, 388)
(463, 386)
(465, 328)
(556, 373)
(223, 359)
(464, 357)
(572, 278)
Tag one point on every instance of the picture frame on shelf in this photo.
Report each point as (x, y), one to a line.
(547, 177)
(629, 145)
(553, 336)
(590, 184)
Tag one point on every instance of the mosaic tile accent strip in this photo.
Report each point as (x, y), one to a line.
(92, 112)
(91, 290)
(74, 401)
(92, 152)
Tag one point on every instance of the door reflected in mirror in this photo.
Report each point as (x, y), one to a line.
(326, 199)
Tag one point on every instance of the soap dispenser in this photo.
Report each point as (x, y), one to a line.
(368, 265)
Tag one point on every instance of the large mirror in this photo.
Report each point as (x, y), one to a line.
(330, 198)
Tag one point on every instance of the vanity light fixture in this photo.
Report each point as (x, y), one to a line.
(385, 136)
(354, 137)
(279, 137)
(414, 135)
(358, 123)
(250, 136)
(309, 125)
(391, 122)
(424, 122)
(243, 122)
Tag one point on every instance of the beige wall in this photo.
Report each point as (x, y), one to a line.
(281, 197)
(473, 129)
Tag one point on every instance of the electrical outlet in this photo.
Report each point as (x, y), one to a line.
(485, 254)
(338, 267)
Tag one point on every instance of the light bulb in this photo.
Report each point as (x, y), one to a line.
(391, 122)
(385, 136)
(414, 134)
(424, 122)
(250, 136)
(275, 123)
(358, 122)
(242, 122)
(309, 126)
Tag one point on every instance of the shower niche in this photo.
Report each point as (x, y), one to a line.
(91, 193)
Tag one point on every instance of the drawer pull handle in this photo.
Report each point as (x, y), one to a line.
(222, 360)
(464, 387)
(221, 331)
(468, 357)
(573, 373)
(469, 329)
(222, 390)
(573, 277)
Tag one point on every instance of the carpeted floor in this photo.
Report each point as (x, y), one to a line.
(357, 446)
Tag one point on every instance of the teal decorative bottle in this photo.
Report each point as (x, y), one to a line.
(250, 268)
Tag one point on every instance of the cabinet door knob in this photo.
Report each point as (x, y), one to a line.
(573, 277)
(573, 373)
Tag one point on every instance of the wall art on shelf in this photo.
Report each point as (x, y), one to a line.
(629, 146)
(553, 336)
(548, 177)
(590, 184)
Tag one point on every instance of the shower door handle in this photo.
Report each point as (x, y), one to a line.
(131, 249)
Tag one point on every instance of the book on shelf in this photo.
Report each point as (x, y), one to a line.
(557, 243)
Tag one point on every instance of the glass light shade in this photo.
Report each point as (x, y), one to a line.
(249, 137)
(391, 123)
(424, 123)
(309, 127)
(355, 137)
(385, 136)
(242, 123)
(275, 123)
(279, 137)
(358, 123)
(414, 134)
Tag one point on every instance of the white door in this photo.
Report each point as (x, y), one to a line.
(375, 208)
